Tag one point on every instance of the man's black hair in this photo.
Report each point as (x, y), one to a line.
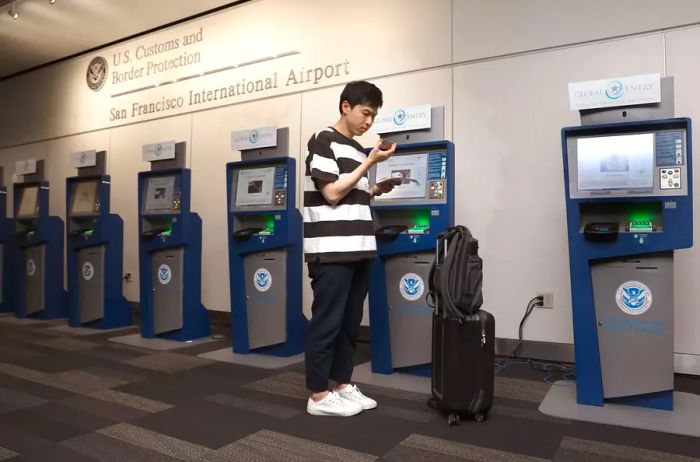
(361, 92)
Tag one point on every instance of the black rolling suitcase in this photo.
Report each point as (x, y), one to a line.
(463, 334)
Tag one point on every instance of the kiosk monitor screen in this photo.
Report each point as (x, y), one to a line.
(413, 171)
(255, 187)
(28, 201)
(615, 162)
(162, 194)
(84, 196)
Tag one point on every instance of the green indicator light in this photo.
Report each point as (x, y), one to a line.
(167, 233)
(269, 226)
(642, 213)
(422, 217)
(89, 232)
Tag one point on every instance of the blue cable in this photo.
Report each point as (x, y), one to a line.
(549, 368)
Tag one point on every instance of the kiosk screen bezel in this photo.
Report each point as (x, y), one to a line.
(75, 190)
(23, 202)
(388, 200)
(658, 161)
(267, 206)
(176, 198)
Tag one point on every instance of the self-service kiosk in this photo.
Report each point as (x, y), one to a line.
(629, 205)
(265, 253)
(407, 221)
(39, 239)
(7, 253)
(170, 253)
(95, 246)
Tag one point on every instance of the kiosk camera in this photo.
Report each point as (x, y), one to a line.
(407, 221)
(7, 253)
(629, 205)
(265, 253)
(95, 246)
(170, 253)
(39, 238)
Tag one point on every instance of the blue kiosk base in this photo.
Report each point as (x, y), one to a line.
(684, 420)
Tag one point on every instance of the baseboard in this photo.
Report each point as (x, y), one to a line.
(532, 349)
(686, 364)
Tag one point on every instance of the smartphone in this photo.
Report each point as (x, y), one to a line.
(386, 144)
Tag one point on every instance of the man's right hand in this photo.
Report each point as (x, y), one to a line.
(377, 155)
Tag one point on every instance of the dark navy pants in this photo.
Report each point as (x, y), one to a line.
(336, 313)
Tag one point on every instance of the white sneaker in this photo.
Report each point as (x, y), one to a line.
(353, 394)
(333, 404)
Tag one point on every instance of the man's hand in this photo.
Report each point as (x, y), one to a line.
(377, 155)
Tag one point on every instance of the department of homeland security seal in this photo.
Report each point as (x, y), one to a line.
(165, 274)
(634, 297)
(88, 270)
(96, 75)
(31, 267)
(262, 280)
(411, 286)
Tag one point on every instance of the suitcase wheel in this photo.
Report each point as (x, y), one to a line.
(480, 417)
(453, 419)
(432, 403)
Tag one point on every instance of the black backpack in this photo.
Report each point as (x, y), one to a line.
(456, 275)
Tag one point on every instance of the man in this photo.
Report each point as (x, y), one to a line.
(338, 245)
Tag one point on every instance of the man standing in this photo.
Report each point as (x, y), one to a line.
(338, 245)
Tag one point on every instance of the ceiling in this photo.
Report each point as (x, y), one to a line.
(44, 32)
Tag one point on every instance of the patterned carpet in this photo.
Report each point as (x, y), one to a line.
(69, 397)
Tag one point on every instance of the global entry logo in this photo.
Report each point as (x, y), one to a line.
(634, 297)
(411, 286)
(262, 280)
(253, 137)
(400, 117)
(614, 89)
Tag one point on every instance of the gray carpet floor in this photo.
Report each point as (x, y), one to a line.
(68, 397)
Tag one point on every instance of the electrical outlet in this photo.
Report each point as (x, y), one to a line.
(547, 300)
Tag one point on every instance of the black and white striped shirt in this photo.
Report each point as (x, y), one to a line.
(344, 232)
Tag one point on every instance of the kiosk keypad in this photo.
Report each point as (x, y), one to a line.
(436, 190)
(670, 178)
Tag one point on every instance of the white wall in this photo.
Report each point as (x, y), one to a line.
(500, 69)
(681, 49)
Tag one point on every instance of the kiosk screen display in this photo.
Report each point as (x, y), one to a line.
(615, 162)
(84, 196)
(161, 194)
(28, 202)
(255, 187)
(413, 171)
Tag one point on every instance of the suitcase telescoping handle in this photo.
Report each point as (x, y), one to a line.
(436, 309)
